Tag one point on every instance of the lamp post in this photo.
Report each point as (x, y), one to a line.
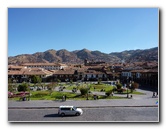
(127, 88)
(29, 89)
(14, 84)
(127, 92)
(87, 97)
(87, 93)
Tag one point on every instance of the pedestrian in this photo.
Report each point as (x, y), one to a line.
(156, 94)
(153, 94)
(65, 97)
(95, 97)
(131, 96)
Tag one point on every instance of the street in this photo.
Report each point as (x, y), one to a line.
(107, 114)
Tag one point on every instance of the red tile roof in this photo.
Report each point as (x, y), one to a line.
(63, 72)
(41, 64)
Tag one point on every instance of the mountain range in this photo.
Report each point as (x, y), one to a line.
(78, 56)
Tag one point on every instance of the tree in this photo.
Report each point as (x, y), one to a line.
(134, 86)
(35, 79)
(10, 86)
(51, 86)
(43, 85)
(99, 81)
(23, 87)
(71, 81)
(58, 80)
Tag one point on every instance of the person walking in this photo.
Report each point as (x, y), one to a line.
(153, 94)
(65, 97)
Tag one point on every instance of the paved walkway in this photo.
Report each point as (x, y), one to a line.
(137, 100)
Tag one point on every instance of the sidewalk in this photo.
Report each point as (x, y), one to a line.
(153, 102)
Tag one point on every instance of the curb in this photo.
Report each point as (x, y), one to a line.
(80, 107)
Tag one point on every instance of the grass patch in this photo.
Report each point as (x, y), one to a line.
(137, 93)
(93, 87)
(129, 91)
(98, 87)
(56, 95)
(111, 97)
(71, 87)
(39, 94)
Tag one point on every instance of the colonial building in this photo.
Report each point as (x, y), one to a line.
(23, 73)
(15, 68)
(93, 63)
(146, 77)
(47, 66)
(92, 75)
(144, 73)
(64, 75)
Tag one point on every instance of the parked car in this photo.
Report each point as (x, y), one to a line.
(69, 110)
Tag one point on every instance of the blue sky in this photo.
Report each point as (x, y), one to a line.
(108, 30)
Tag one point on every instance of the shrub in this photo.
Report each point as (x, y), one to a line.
(120, 90)
(102, 90)
(114, 89)
(108, 92)
(83, 90)
(119, 86)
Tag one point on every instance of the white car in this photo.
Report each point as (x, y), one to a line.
(69, 110)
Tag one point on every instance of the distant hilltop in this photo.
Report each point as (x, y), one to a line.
(78, 56)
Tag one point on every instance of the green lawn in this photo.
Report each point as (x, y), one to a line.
(56, 95)
(98, 87)
(137, 93)
(129, 91)
(93, 87)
